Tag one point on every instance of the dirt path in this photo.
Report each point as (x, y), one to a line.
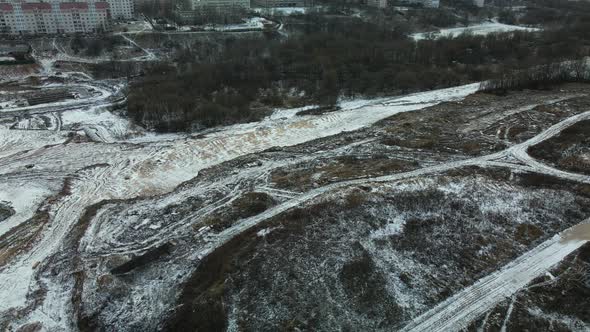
(461, 309)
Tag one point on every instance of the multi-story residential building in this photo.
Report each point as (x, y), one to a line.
(60, 16)
(6, 10)
(212, 11)
(155, 8)
(151, 2)
(196, 4)
(122, 9)
(278, 3)
(377, 3)
(425, 3)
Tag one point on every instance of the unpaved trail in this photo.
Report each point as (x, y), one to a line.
(149, 55)
(496, 115)
(461, 309)
(519, 151)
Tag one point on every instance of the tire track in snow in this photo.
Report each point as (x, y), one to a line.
(461, 309)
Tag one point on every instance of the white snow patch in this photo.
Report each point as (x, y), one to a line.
(13, 141)
(24, 199)
(16, 297)
(287, 113)
(264, 232)
(478, 30)
(253, 23)
(115, 125)
(395, 227)
(152, 137)
(282, 11)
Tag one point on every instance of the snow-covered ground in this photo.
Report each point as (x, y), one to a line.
(112, 126)
(457, 312)
(16, 72)
(59, 53)
(153, 166)
(9, 104)
(253, 23)
(16, 141)
(281, 114)
(134, 27)
(479, 30)
(159, 167)
(23, 199)
(99, 93)
(282, 10)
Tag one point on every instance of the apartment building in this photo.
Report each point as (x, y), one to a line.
(277, 3)
(122, 9)
(60, 16)
(424, 3)
(196, 4)
(151, 2)
(377, 3)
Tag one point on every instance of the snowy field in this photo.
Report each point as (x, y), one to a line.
(158, 167)
(478, 30)
(41, 170)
